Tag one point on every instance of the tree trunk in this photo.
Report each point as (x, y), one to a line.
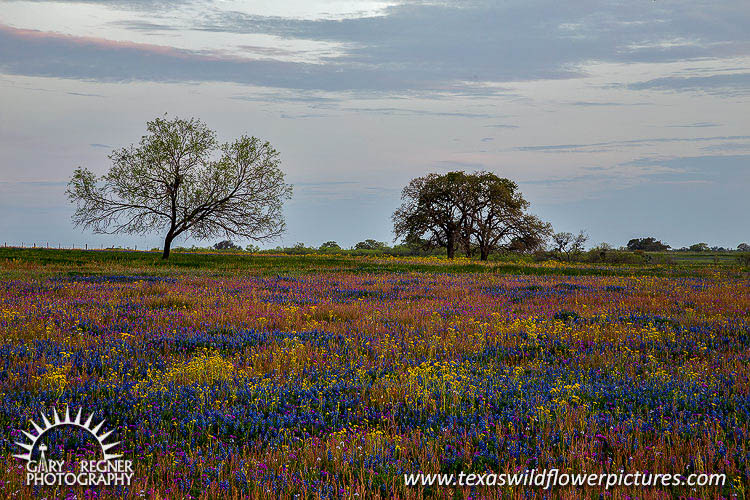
(450, 245)
(467, 249)
(167, 245)
(485, 252)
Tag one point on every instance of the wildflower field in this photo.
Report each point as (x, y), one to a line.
(333, 378)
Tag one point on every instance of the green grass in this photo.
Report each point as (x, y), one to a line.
(698, 258)
(15, 262)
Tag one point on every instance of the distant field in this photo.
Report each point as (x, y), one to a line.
(52, 261)
(261, 376)
(701, 258)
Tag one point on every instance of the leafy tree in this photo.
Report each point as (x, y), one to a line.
(496, 217)
(180, 180)
(370, 244)
(330, 245)
(647, 244)
(298, 248)
(478, 211)
(743, 247)
(699, 247)
(432, 210)
(226, 245)
(526, 245)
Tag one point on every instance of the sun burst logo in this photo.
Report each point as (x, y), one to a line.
(48, 472)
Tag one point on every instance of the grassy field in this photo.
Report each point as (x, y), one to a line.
(698, 258)
(263, 376)
(50, 262)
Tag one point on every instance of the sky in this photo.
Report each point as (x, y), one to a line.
(621, 118)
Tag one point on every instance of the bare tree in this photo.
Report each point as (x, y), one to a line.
(181, 180)
(567, 244)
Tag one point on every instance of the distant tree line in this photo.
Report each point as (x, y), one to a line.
(565, 247)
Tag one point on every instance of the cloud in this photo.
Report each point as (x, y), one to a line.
(556, 148)
(730, 171)
(696, 125)
(417, 112)
(136, 25)
(455, 164)
(517, 39)
(590, 103)
(501, 125)
(732, 83)
(727, 146)
(315, 100)
(326, 183)
(714, 179)
(147, 5)
(35, 53)
(427, 47)
(615, 176)
(82, 94)
(604, 104)
(290, 116)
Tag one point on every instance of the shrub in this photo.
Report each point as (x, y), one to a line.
(370, 244)
(226, 245)
(649, 244)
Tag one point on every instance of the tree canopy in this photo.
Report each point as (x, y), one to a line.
(226, 245)
(496, 217)
(649, 244)
(478, 211)
(433, 210)
(329, 245)
(179, 179)
(370, 244)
